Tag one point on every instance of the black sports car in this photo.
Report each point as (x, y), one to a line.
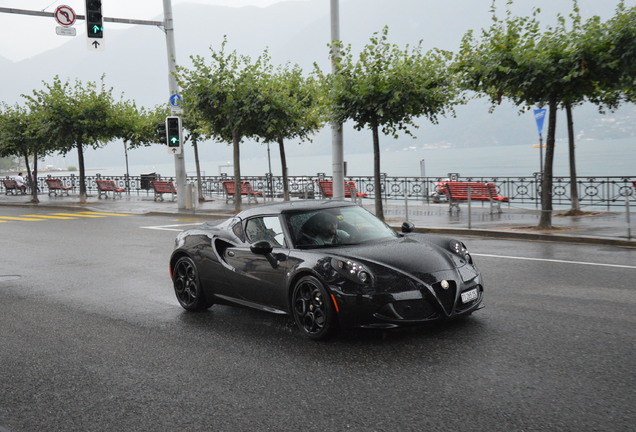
(329, 264)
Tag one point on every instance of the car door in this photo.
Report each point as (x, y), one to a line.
(258, 278)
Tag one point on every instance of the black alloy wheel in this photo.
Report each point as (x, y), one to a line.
(312, 308)
(187, 287)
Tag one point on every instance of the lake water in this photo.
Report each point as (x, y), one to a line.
(594, 158)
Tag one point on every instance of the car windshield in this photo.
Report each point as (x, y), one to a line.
(336, 226)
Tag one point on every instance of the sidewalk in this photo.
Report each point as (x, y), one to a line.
(598, 227)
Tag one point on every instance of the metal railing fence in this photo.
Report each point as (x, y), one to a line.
(608, 192)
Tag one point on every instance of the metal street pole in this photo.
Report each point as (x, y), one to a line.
(179, 159)
(337, 147)
(541, 154)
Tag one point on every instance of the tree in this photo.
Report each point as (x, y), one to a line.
(589, 58)
(293, 111)
(619, 35)
(196, 132)
(74, 117)
(385, 89)
(19, 136)
(513, 59)
(554, 67)
(229, 96)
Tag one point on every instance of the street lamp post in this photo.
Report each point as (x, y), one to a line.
(179, 160)
(337, 151)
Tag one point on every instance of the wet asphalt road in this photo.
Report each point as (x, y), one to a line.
(92, 339)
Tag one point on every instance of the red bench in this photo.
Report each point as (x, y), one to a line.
(162, 187)
(458, 191)
(246, 189)
(56, 185)
(105, 186)
(11, 187)
(350, 190)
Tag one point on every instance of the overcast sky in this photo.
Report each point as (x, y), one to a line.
(23, 36)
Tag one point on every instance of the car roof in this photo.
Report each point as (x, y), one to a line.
(292, 206)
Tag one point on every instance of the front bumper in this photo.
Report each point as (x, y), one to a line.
(415, 302)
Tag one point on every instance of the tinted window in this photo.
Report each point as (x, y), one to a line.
(345, 225)
(265, 228)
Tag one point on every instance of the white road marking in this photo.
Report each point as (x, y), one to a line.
(555, 261)
(171, 227)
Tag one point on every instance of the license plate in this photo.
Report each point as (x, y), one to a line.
(468, 296)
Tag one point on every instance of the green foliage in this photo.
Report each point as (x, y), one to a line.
(386, 88)
(571, 62)
(389, 87)
(17, 135)
(76, 115)
(79, 115)
(292, 108)
(226, 93)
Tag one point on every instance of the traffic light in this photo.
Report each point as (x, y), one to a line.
(94, 24)
(173, 130)
(162, 137)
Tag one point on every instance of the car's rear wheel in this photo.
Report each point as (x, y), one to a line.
(312, 308)
(187, 287)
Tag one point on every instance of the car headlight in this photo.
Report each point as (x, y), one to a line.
(460, 249)
(352, 270)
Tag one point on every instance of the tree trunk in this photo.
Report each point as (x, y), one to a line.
(198, 166)
(34, 180)
(545, 221)
(34, 187)
(82, 173)
(236, 141)
(379, 211)
(283, 163)
(574, 190)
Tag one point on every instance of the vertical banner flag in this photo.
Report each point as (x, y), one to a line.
(539, 116)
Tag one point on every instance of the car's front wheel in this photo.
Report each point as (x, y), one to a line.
(312, 308)
(187, 287)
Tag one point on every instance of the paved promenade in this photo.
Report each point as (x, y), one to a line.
(598, 226)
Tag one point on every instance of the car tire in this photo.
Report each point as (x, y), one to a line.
(187, 287)
(313, 309)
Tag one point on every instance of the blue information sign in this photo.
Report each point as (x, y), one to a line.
(175, 100)
(539, 116)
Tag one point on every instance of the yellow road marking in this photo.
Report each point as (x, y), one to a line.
(48, 216)
(20, 218)
(105, 214)
(77, 215)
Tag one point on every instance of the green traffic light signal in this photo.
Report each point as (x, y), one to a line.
(173, 131)
(94, 24)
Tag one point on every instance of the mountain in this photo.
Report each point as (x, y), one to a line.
(134, 62)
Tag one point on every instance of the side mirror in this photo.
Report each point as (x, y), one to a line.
(408, 227)
(265, 248)
(262, 247)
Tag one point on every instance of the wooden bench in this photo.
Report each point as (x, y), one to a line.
(350, 190)
(162, 187)
(458, 191)
(246, 189)
(105, 186)
(11, 187)
(56, 185)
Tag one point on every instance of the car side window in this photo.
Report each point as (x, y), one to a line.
(238, 231)
(265, 228)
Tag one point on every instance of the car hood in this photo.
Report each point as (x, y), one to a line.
(410, 254)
